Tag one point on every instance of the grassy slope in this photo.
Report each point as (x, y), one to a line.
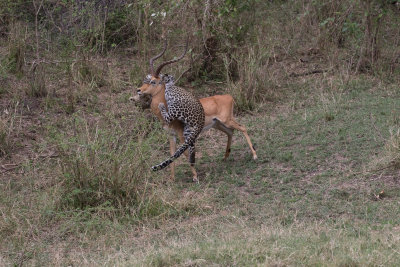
(309, 199)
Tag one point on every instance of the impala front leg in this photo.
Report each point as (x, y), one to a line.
(164, 113)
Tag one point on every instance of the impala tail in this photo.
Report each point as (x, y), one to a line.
(167, 162)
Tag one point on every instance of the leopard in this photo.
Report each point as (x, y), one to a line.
(182, 105)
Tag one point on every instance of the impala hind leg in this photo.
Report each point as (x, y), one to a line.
(229, 132)
(233, 124)
(228, 146)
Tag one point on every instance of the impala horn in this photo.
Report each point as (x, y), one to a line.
(171, 61)
(156, 57)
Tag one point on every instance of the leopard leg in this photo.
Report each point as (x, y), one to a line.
(192, 154)
(188, 134)
(164, 113)
(172, 149)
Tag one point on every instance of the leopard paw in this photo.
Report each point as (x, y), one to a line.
(161, 106)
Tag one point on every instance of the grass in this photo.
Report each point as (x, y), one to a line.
(323, 191)
(299, 244)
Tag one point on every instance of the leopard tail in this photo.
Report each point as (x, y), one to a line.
(167, 162)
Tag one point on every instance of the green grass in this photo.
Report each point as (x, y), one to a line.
(314, 196)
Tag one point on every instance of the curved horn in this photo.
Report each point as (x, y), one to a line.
(156, 57)
(171, 61)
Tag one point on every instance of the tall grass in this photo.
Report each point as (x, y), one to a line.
(105, 167)
(17, 46)
(254, 82)
(10, 127)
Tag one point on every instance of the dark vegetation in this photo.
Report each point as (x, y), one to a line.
(315, 82)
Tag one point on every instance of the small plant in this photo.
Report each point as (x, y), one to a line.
(393, 148)
(86, 74)
(390, 155)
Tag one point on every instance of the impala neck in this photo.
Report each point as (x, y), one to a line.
(157, 98)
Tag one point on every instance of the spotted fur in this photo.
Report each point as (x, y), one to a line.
(183, 106)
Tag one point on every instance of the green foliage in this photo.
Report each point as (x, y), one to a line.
(230, 14)
(118, 29)
(14, 10)
(14, 60)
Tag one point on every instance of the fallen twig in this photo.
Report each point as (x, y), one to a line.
(307, 73)
(44, 61)
(7, 169)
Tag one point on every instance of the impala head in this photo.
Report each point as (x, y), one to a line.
(153, 82)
